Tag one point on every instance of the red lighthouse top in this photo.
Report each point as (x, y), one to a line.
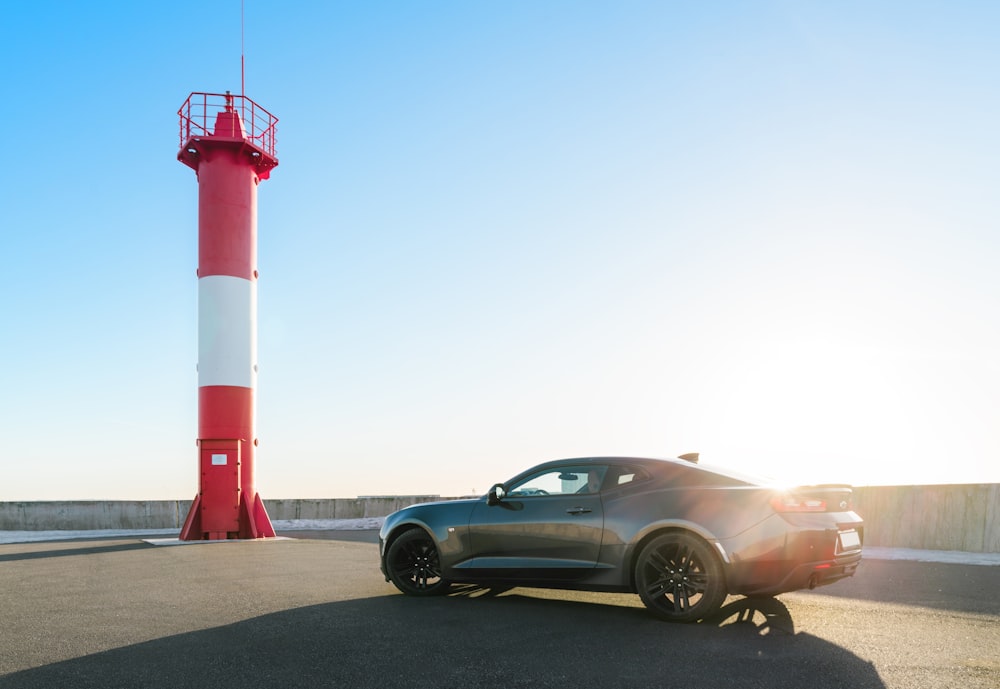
(227, 119)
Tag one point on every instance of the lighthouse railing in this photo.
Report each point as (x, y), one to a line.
(197, 118)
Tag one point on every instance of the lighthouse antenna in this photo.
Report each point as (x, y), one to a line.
(243, 72)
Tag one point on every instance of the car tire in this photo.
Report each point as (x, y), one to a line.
(680, 578)
(413, 565)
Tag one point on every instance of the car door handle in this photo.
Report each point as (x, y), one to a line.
(578, 510)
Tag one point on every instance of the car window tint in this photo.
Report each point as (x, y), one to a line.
(560, 481)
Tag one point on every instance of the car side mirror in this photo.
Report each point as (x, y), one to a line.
(495, 496)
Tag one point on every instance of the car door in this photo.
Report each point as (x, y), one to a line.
(548, 526)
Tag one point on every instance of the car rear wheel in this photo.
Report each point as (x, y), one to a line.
(679, 578)
(413, 565)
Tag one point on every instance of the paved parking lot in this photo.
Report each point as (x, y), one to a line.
(315, 612)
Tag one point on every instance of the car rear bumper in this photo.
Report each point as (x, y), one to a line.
(794, 551)
(809, 575)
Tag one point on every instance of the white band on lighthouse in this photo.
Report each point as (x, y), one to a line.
(227, 331)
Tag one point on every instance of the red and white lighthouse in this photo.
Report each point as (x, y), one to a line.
(229, 142)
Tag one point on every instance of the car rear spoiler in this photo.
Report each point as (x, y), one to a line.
(689, 457)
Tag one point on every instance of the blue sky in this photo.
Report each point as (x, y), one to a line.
(502, 233)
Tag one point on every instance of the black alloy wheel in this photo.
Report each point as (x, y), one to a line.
(679, 578)
(414, 566)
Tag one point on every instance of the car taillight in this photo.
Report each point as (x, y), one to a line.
(796, 503)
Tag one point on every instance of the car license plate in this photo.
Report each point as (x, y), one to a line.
(849, 540)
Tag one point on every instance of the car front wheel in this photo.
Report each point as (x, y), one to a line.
(679, 578)
(413, 565)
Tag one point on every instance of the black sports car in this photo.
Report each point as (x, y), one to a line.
(681, 535)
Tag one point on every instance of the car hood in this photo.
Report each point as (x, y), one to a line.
(422, 510)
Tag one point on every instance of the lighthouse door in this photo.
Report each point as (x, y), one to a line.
(220, 488)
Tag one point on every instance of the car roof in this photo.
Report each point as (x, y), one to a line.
(649, 462)
(617, 460)
(656, 464)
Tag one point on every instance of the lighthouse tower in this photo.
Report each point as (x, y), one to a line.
(229, 142)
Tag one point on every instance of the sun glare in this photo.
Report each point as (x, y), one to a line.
(809, 410)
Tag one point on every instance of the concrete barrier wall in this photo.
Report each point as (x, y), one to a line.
(79, 515)
(957, 517)
(343, 508)
(947, 517)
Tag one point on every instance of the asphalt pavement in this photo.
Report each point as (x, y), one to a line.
(314, 611)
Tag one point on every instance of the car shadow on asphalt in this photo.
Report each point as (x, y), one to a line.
(484, 638)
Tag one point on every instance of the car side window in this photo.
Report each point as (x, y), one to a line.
(560, 481)
(624, 475)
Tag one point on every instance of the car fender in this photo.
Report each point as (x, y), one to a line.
(446, 522)
(653, 529)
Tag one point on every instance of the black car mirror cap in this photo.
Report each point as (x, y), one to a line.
(495, 496)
